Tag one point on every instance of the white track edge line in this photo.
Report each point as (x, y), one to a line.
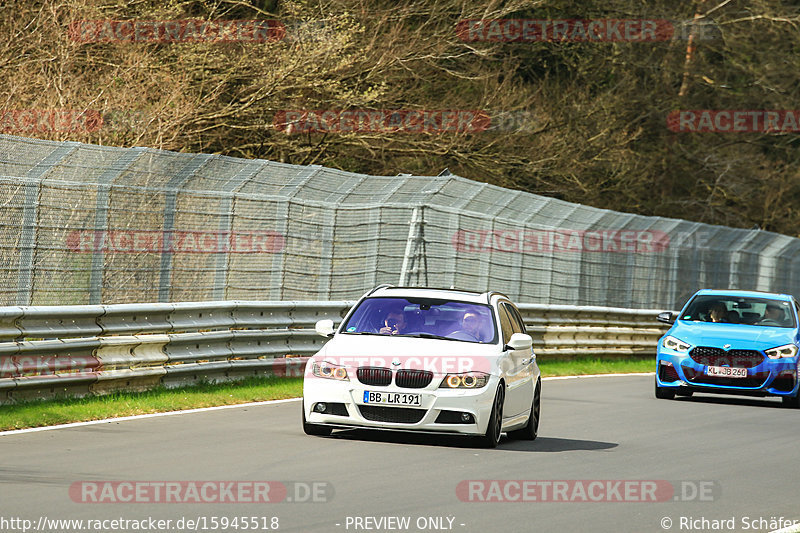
(148, 415)
(555, 378)
(234, 406)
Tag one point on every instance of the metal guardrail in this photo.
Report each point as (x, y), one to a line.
(48, 351)
(565, 331)
(94, 349)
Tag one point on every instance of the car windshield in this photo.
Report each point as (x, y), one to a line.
(740, 310)
(423, 317)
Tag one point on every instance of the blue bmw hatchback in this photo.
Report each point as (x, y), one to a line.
(731, 342)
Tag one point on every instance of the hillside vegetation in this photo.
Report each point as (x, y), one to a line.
(585, 121)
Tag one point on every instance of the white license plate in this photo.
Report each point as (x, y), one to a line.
(726, 372)
(392, 398)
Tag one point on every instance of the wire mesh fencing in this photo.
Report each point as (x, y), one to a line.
(88, 224)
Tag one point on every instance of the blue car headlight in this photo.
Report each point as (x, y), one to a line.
(785, 351)
(672, 343)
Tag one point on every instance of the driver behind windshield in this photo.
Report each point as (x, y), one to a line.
(772, 315)
(395, 322)
(472, 325)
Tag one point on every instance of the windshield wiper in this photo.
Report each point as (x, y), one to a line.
(427, 336)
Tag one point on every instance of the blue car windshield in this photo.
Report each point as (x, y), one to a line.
(423, 317)
(751, 311)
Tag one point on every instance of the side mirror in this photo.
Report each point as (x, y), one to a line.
(519, 341)
(324, 327)
(666, 317)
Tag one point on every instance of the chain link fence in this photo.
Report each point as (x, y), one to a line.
(87, 224)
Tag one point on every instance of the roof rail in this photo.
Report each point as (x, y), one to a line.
(433, 288)
(492, 293)
(379, 287)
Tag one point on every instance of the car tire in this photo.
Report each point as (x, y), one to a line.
(663, 393)
(314, 429)
(792, 402)
(491, 438)
(531, 429)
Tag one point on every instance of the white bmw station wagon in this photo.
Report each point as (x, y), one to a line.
(430, 360)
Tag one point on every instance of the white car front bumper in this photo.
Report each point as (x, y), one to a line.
(476, 402)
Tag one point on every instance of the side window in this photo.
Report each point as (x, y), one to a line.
(517, 318)
(505, 324)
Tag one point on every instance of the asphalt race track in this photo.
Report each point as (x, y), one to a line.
(740, 455)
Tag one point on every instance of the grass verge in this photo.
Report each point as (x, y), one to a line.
(587, 365)
(63, 411)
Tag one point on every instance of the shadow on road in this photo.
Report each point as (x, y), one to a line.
(552, 444)
(733, 400)
(541, 444)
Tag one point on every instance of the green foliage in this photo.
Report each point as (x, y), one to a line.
(582, 365)
(595, 113)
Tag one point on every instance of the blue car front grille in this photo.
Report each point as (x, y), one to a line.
(710, 356)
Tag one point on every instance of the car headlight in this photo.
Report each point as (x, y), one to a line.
(329, 371)
(788, 350)
(675, 344)
(467, 380)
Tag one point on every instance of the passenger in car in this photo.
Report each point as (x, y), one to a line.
(719, 313)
